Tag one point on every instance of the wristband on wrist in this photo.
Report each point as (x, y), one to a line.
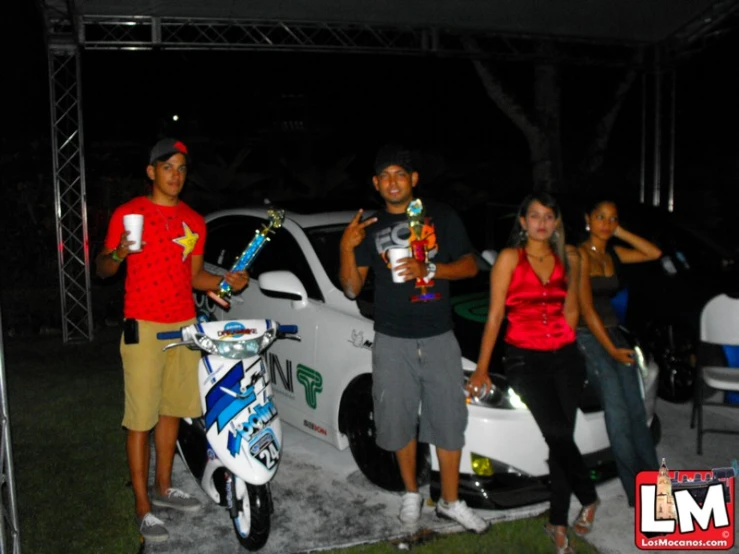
(115, 257)
(430, 271)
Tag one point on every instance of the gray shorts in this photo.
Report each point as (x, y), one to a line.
(408, 373)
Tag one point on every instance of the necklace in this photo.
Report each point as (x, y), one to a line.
(602, 255)
(538, 257)
(166, 219)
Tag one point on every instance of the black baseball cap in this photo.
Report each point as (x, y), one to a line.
(393, 154)
(168, 147)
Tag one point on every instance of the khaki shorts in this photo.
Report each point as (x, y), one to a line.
(156, 382)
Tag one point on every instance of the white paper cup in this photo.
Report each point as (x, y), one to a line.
(134, 224)
(393, 255)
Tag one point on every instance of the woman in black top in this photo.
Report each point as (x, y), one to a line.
(609, 359)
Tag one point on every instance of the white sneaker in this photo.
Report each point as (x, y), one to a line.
(410, 508)
(459, 512)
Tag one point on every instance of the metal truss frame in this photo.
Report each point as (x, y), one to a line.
(696, 35)
(10, 536)
(173, 33)
(658, 133)
(70, 197)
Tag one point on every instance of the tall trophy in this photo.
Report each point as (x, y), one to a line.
(419, 249)
(246, 258)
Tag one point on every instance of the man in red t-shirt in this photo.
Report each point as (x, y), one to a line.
(160, 387)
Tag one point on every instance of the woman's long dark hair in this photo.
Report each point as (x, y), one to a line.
(519, 236)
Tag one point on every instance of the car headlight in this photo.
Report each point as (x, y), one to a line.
(500, 396)
(487, 467)
(641, 362)
(642, 357)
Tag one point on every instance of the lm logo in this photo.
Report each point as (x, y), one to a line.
(313, 383)
(685, 510)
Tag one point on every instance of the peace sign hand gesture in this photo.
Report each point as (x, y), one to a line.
(354, 233)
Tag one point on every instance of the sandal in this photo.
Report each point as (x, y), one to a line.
(583, 524)
(558, 534)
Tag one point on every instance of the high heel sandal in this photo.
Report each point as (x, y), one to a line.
(558, 534)
(583, 523)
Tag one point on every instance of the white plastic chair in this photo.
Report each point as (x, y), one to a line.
(719, 324)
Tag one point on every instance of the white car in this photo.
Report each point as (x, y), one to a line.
(322, 384)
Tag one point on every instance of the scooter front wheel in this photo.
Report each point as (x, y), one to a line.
(252, 522)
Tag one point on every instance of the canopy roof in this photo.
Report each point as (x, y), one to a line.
(624, 21)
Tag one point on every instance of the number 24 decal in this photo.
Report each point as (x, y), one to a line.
(269, 456)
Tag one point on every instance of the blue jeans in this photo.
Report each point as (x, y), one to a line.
(626, 420)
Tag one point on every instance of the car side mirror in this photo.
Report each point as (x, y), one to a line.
(668, 266)
(285, 284)
(489, 256)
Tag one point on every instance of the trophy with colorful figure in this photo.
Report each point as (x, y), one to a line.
(246, 258)
(419, 246)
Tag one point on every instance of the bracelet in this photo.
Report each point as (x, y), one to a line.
(115, 257)
(430, 271)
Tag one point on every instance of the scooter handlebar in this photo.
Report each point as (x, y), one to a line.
(287, 329)
(169, 335)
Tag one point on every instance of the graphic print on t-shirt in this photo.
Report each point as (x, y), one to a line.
(187, 241)
(395, 312)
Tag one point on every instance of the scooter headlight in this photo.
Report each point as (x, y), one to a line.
(237, 349)
(500, 396)
(234, 349)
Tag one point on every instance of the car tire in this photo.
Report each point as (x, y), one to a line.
(356, 416)
(674, 351)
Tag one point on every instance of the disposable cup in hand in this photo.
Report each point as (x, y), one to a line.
(395, 254)
(134, 224)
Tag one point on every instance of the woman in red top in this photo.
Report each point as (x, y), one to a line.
(534, 283)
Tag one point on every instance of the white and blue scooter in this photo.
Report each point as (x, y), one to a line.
(234, 449)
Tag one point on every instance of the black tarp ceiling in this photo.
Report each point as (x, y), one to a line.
(640, 21)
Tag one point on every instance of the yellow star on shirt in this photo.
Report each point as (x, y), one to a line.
(187, 241)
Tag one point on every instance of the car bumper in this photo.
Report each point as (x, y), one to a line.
(510, 490)
(512, 440)
(509, 443)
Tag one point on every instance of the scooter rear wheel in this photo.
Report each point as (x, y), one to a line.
(253, 519)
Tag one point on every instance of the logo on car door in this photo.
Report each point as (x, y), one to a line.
(313, 383)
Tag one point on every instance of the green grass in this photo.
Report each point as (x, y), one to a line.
(66, 404)
(524, 536)
(70, 466)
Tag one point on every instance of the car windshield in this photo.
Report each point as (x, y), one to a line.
(325, 242)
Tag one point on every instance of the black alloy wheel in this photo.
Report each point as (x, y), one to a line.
(358, 423)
